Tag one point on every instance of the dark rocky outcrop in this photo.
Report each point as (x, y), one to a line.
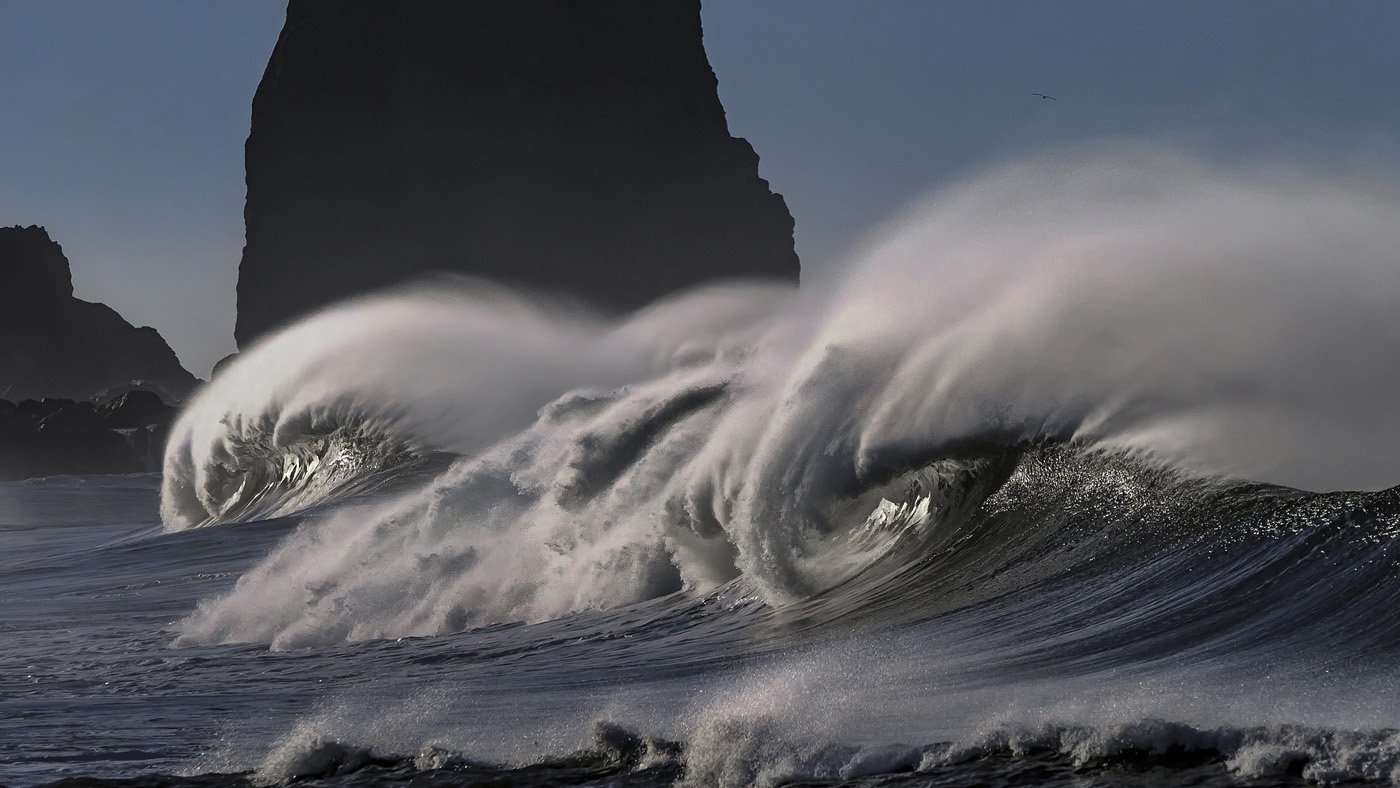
(577, 147)
(125, 434)
(55, 345)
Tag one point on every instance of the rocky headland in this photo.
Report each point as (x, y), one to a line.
(55, 345)
(568, 147)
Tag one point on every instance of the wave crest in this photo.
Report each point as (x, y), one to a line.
(1137, 304)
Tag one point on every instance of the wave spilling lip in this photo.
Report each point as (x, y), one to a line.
(454, 367)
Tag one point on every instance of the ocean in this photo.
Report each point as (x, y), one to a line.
(1031, 497)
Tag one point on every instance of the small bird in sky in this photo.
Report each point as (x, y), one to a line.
(1042, 95)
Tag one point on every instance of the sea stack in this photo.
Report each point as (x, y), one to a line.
(569, 147)
(57, 346)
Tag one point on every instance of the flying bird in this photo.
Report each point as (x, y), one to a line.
(1042, 95)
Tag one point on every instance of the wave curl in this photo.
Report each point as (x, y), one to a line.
(1135, 305)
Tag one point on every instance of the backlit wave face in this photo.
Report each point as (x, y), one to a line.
(1163, 323)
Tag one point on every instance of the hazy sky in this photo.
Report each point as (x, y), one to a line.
(122, 121)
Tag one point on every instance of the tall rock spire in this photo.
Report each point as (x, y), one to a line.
(565, 146)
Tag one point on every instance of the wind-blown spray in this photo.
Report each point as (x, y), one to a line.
(1131, 302)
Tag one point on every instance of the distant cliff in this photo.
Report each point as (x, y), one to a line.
(55, 345)
(577, 147)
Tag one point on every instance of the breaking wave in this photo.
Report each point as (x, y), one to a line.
(1086, 341)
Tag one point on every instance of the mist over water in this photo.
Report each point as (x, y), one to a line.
(1218, 322)
(1233, 322)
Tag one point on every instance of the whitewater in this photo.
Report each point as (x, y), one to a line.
(1083, 469)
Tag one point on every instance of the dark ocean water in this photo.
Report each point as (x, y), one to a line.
(1063, 618)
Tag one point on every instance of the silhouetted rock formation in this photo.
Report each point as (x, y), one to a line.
(49, 437)
(54, 345)
(577, 147)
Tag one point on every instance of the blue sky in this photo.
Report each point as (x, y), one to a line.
(123, 121)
